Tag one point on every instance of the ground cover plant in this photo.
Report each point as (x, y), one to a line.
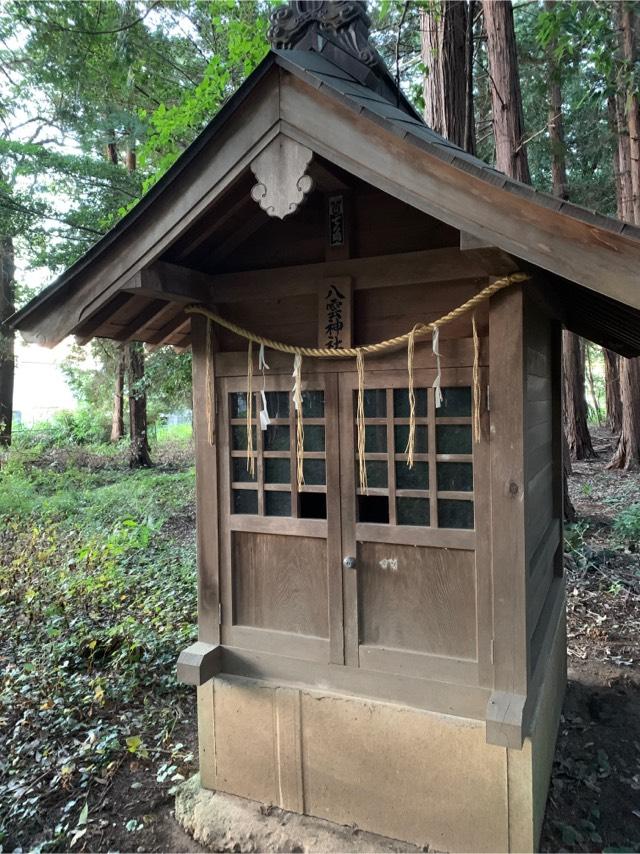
(97, 596)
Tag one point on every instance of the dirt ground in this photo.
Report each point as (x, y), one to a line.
(594, 798)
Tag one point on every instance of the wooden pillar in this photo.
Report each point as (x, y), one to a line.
(507, 415)
(206, 485)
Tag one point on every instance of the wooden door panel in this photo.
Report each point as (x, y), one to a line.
(417, 599)
(280, 583)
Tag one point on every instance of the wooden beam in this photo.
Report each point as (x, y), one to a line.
(198, 663)
(88, 329)
(180, 284)
(218, 221)
(176, 324)
(244, 232)
(150, 313)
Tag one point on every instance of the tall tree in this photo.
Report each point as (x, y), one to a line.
(117, 418)
(506, 97)
(444, 31)
(612, 390)
(627, 454)
(139, 455)
(573, 350)
(7, 352)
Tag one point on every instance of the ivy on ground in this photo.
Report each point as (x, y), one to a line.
(97, 597)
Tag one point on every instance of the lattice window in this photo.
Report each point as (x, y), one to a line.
(438, 491)
(273, 489)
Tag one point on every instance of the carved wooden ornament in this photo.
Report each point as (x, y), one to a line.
(280, 171)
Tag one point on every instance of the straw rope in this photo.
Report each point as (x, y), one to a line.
(476, 381)
(419, 330)
(251, 460)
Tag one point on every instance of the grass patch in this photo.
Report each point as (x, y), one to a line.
(97, 597)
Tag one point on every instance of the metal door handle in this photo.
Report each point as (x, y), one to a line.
(349, 562)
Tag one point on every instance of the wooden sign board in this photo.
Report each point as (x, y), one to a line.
(335, 312)
(337, 225)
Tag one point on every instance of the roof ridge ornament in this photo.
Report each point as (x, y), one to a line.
(307, 24)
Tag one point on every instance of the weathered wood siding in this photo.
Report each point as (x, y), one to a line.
(543, 471)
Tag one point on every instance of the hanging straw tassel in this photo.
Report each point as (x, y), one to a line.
(264, 412)
(297, 404)
(211, 430)
(362, 466)
(411, 345)
(251, 462)
(435, 346)
(476, 381)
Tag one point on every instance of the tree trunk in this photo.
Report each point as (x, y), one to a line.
(506, 98)
(612, 390)
(627, 454)
(139, 453)
(632, 108)
(555, 121)
(443, 27)
(574, 404)
(117, 419)
(7, 339)
(470, 116)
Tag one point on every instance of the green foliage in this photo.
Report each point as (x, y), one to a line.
(88, 635)
(626, 526)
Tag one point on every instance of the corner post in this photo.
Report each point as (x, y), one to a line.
(508, 480)
(206, 486)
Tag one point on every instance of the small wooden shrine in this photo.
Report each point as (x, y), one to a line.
(375, 318)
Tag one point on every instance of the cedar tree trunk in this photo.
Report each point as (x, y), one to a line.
(627, 455)
(506, 99)
(139, 453)
(443, 25)
(574, 404)
(117, 419)
(612, 390)
(7, 338)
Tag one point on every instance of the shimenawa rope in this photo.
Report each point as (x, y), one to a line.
(419, 330)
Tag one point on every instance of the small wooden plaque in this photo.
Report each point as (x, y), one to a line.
(335, 300)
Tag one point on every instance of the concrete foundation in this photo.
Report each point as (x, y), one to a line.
(424, 778)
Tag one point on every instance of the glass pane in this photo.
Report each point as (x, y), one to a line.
(313, 404)
(314, 472)
(453, 439)
(455, 477)
(455, 514)
(375, 438)
(240, 472)
(313, 437)
(313, 505)
(277, 503)
(377, 474)
(239, 437)
(374, 509)
(456, 403)
(245, 501)
(277, 404)
(401, 402)
(238, 404)
(401, 432)
(276, 437)
(375, 403)
(412, 511)
(277, 470)
(415, 478)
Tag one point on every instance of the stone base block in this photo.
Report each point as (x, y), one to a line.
(412, 775)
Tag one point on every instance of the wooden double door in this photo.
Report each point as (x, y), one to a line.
(383, 578)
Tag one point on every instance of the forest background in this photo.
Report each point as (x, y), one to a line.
(99, 98)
